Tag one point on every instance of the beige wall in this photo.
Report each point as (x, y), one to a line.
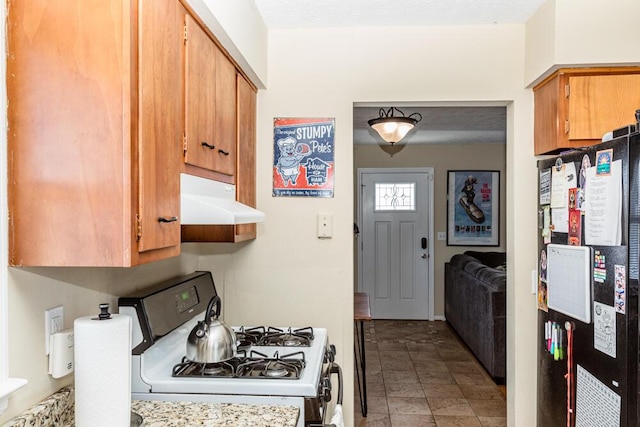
(581, 33)
(441, 158)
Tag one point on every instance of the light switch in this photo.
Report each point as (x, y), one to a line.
(442, 235)
(325, 226)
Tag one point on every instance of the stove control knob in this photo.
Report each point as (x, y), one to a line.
(326, 389)
(330, 354)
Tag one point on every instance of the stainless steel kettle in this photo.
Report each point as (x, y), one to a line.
(211, 341)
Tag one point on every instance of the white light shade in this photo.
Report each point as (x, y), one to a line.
(392, 129)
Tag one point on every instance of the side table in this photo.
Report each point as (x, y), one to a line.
(361, 313)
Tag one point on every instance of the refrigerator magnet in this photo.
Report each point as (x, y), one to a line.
(603, 162)
(604, 328)
(620, 288)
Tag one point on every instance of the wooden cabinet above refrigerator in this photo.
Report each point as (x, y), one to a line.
(575, 107)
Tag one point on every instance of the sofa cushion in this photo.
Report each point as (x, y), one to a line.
(493, 276)
(491, 259)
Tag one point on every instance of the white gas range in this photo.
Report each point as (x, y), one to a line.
(274, 365)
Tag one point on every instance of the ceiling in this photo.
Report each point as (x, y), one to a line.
(440, 125)
(352, 13)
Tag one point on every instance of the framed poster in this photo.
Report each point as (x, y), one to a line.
(473, 208)
(303, 157)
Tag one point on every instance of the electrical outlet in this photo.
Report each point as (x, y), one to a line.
(53, 322)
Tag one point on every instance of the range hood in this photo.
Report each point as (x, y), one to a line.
(207, 202)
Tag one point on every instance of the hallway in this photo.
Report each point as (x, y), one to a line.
(420, 374)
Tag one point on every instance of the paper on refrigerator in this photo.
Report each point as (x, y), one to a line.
(561, 181)
(603, 207)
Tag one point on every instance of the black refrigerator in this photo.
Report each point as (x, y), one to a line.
(587, 284)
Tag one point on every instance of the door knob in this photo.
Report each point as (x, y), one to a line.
(425, 256)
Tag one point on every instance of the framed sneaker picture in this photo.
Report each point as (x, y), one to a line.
(473, 208)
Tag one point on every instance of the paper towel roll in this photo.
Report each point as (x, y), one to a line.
(103, 371)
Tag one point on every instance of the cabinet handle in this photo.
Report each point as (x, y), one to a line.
(172, 219)
(221, 151)
(209, 146)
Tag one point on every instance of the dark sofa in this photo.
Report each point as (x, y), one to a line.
(475, 306)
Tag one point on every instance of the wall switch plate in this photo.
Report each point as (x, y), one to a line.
(325, 226)
(442, 235)
(61, 357)
(53, 322)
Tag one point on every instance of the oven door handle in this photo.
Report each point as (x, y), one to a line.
(334, 368)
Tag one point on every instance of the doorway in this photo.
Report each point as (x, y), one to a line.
(395, 261)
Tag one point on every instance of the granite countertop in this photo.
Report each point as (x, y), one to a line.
(175, 414)
(58, 410)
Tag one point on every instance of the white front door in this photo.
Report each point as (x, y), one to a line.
(395, 265)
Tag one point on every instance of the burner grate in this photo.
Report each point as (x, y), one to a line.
(302, 337)
(187, 368)
(289, 366)
(257, 365)
(250, 336)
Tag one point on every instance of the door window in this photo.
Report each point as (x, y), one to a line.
(395, 196)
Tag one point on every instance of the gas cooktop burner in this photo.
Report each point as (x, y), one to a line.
(258, 365)
(261, 336)
(188, 368)
(291, 338)
(250, 336)
(286, 367)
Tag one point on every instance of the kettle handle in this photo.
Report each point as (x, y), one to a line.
(209, 314)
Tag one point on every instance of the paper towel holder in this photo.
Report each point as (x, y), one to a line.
(136, 419)
(104, 312)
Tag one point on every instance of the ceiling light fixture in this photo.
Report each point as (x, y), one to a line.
(393, 128)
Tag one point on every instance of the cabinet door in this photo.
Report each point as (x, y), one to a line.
(599, 104)
(67, 112)
(200, 57)
(246, 174)
(548, 130)
(225, 115)
(160, 123)
(210, 103)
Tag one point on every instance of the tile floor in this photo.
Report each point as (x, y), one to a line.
(420, 374)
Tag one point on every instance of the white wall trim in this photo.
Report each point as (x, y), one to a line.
(7, 385)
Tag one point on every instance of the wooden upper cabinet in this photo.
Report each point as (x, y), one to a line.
(160, 124)
(226, 114)
(210, 105)
(200, 92)
(95, 133)
(576, 107)
(245, 176)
